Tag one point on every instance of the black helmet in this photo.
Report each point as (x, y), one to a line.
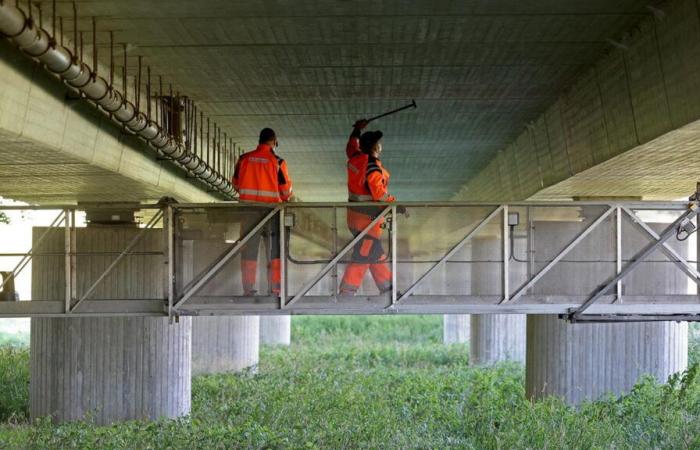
(368, 139)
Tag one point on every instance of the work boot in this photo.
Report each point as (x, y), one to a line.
(250, 293)
(386, 290)
(346, 293)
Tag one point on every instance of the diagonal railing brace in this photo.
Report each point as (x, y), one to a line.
(638, 258)
(669, 251)
(211, 273)
(311, 283)
(560, 256)
(451, 253)
(151, 223)
(28, 257)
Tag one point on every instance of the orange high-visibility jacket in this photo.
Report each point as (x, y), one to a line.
(368, 180)
(261, 176)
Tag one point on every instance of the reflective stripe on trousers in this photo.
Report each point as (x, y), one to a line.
(259, 193)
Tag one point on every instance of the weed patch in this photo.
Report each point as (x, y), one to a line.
(377, 382)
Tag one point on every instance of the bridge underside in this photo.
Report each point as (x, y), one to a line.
(59, 149)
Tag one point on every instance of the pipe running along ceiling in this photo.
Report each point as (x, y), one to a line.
(58, 59)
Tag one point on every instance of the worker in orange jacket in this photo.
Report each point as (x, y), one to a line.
(261, 176)
(368, 181)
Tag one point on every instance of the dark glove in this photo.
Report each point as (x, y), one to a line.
(402, 210)
(361, 124)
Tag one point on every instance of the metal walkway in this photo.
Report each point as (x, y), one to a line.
(582, 260)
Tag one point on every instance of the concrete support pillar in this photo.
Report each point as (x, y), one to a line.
(222, 344)
(455, 328)
(109, 369)
(225, 344)
(580, 362)
(586, 361)
(494, 337)
(275, 330)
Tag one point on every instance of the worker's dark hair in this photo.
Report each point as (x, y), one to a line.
(267, 134)
(368, 139)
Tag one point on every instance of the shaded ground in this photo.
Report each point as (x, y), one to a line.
(373, 382)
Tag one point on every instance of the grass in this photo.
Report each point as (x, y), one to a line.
(14, 384)
(14, 340)
(374, 382)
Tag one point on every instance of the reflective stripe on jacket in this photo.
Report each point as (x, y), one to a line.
(261, 176)
(368, 180)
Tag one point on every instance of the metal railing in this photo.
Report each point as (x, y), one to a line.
(526, 295)
(585, 261)
(74, 268)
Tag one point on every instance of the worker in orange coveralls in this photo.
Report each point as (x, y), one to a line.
(261, 176)
(368, 181)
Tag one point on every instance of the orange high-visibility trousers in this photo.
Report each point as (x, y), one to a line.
(367, 254)
(249, 257)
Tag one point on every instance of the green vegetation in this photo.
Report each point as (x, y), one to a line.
(14, 340)
(14, 384)
(374, 382)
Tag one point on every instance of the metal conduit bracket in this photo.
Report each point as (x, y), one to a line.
(36, 43)
(119, 106)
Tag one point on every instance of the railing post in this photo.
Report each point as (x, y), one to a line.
(334, 274)
(67, 247)
(618, 251)
(169, 230)
(283, 257)
(530, 245)
(506, 256)
(394, 228)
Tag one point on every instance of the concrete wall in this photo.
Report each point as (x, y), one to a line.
(647, 84)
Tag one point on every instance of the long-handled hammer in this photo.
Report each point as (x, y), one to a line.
(393, 111)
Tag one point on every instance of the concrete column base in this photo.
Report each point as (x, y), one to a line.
(496, 338)
(225, 344)
(580, 362)
(455, 328)
(275, 330)
(109, 369)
